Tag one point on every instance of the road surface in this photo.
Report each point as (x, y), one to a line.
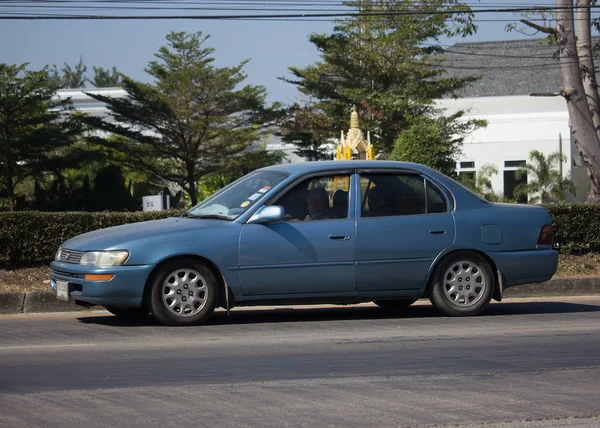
(524, 363)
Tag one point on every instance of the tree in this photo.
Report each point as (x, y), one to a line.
(110, 191)
(105, 78)
(308, 128)
(482, 183)
(35, 129)
(544, 182)
(388, 66)
(191, 122)
(432, 142)
(71, 77)
(580, 88)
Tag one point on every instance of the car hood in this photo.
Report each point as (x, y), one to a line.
(174, 229)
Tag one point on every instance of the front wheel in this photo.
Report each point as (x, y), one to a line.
(463, 285)
(184, 292)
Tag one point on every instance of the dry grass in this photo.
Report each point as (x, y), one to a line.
(584, 265)
(38, 278)
(25, 279)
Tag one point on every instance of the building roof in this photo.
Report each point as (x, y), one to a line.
(515, 67)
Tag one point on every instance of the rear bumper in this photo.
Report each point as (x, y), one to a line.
(126, 288)
(525, 267)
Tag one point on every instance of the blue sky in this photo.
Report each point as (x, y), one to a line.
(129, 45)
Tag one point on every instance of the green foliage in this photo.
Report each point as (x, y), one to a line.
(576, 227)
(389, 67)
(110, 192)
(191, 122)
(34, 237)
(545, 183)
(36, 130)
(105, 78)
(482, 184)
(71, 77)
(212, 184)
(434, 143)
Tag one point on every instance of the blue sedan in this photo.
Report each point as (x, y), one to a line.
(316, 232)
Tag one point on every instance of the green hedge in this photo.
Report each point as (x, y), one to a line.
(576, 227)
(28, 237)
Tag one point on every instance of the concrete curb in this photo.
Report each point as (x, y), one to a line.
(11, 303)
(571, 286)
(46, 301)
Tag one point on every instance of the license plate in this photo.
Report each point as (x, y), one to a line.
(62, 290)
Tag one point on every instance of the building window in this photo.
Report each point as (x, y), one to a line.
(511, 182)
(467, 171)
(514, 164)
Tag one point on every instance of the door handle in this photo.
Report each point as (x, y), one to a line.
(437, 232)
(339, 237)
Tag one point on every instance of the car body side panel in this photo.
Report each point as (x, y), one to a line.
(298, 257)
(395, 253)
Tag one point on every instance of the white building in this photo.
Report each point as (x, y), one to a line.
(517, 122)
(516, 125)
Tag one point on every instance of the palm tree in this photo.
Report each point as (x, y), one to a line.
(105, 78)
(544, 182)
(482, 183)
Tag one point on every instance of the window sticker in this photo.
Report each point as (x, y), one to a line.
(254, 197)
(264, 189)
(245, 204)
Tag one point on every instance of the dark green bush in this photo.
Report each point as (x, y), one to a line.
(576, 227)
(28, 237)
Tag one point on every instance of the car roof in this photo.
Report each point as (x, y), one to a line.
(315, 166)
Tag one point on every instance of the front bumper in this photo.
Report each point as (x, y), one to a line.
(126, 288)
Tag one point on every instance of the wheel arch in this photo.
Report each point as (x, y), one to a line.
(221, 300)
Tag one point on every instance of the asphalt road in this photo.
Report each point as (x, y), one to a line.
(523, 363)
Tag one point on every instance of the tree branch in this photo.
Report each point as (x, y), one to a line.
(540, 28)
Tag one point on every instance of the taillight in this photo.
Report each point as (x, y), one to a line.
(545, 235)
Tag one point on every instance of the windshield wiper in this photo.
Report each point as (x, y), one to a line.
(209, 216)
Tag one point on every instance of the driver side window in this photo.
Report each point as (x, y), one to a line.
(317, 198)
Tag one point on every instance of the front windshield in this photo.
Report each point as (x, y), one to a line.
(234, 201)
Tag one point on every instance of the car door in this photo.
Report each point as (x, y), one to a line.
(405, 223)
(312, 251)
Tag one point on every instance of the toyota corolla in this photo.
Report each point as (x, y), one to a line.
(315, 232)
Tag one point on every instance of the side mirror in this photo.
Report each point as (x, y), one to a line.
(268, 214)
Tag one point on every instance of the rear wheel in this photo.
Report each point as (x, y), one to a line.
(127, 313)
(184, 292)
(462, 285)
(395, 305)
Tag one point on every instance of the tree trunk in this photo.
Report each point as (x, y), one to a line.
(583, 130)
(192, 187)
(586, 61)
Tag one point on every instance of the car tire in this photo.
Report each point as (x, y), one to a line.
(394, 305)
(462, 284)
(128, 313)
(183, 292)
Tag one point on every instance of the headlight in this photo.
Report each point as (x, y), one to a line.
(57, 255)
(104, 258)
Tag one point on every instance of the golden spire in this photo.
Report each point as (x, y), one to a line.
(354, 119)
